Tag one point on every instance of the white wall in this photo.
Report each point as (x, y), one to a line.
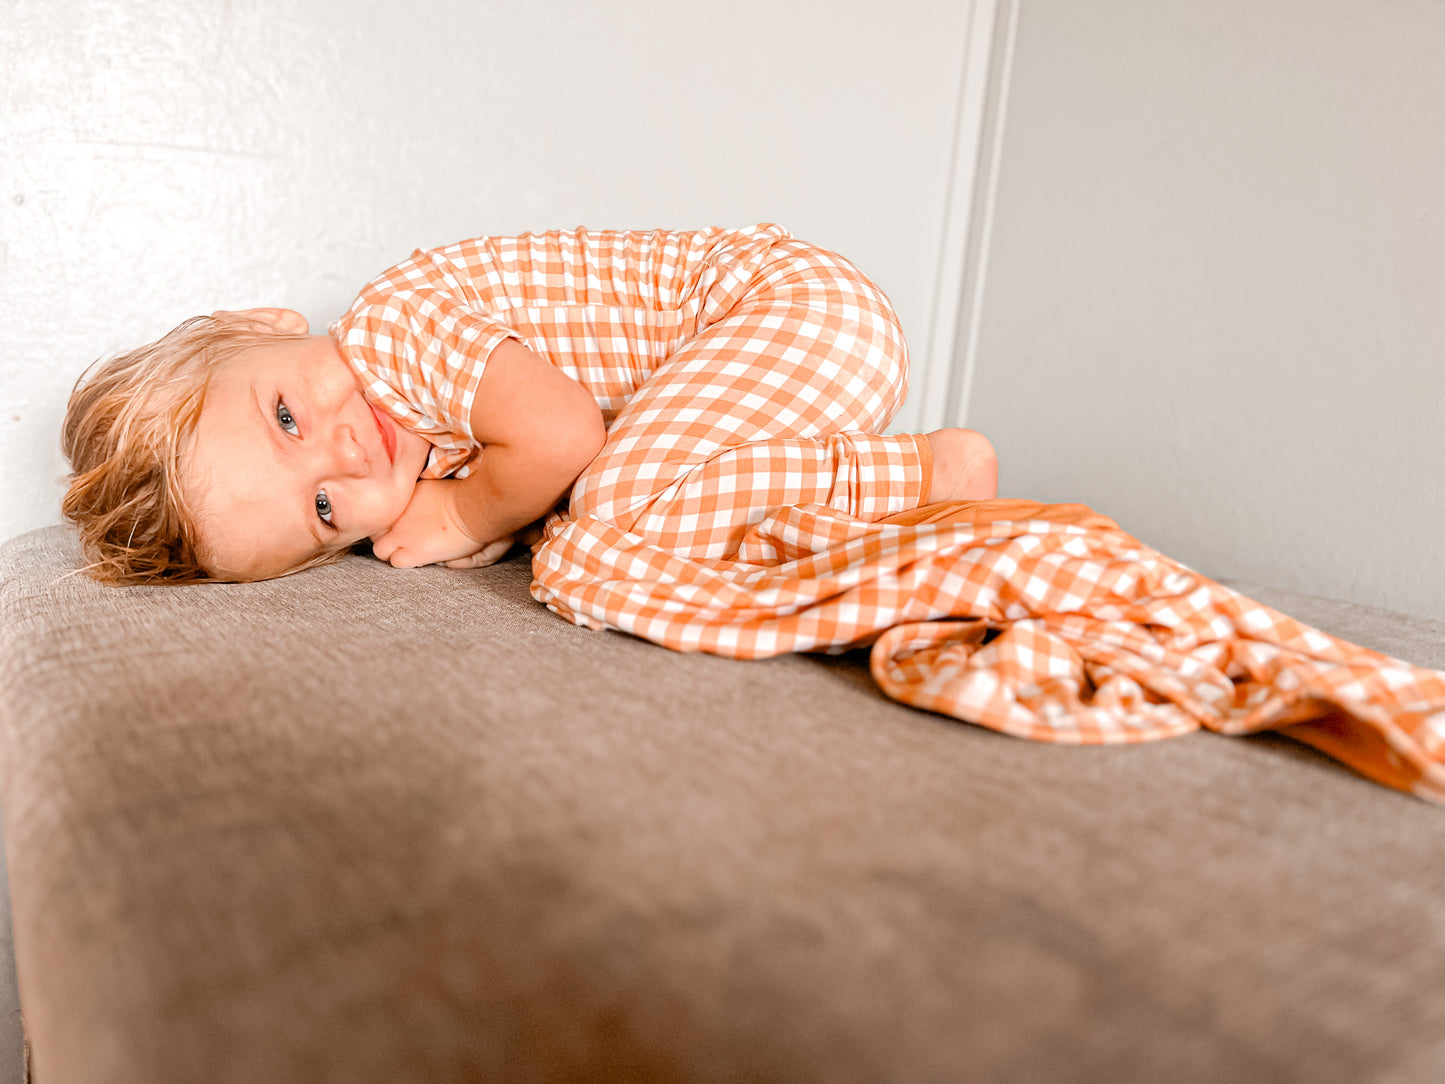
(160, 158)
(1215, 303)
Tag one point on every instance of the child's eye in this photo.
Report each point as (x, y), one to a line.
(284, 418)
(323, 506)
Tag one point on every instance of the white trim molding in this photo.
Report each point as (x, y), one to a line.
(944, 378)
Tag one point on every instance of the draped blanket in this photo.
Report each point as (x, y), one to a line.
(1042, 621)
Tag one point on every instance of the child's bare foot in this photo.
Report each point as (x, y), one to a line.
(964, 466)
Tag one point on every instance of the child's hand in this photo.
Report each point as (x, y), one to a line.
(489, 554)
(431, 532)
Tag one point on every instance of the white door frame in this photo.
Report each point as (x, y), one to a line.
(943, 374)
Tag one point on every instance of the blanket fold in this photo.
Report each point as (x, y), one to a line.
(1046, 622)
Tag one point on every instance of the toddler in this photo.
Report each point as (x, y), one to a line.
(693, 380)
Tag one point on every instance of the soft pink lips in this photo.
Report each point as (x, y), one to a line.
(388, 433)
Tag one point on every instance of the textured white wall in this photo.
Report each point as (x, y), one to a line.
(160, 158)
(1215, 305)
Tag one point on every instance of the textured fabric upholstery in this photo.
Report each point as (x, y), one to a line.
(369, 825)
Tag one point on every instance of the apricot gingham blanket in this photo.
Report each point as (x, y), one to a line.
(745, 503)
(1042, 621)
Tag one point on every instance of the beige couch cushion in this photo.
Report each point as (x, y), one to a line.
(370, 825)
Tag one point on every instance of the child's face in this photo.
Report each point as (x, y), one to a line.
(289, 460)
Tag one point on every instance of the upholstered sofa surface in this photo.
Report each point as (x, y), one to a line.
(369, 825)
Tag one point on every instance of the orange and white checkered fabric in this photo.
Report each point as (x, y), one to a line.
(740, 369)
(1042, 621)
(741, 505)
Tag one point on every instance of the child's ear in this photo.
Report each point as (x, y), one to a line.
(281, 321)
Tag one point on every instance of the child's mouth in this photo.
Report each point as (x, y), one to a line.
(388, 434)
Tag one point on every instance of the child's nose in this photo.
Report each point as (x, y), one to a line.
(348, 456)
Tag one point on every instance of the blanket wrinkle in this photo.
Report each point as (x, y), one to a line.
(1046, 622)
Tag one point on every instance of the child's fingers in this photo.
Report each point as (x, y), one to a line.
(397, 555)
(383, 547)
(489, 554)
(400, 548)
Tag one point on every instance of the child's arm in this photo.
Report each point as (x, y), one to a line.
(538, 428)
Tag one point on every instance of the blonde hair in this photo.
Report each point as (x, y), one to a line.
(129, 421)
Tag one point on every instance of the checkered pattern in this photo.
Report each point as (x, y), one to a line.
(740, 370)
(1042, 621)
(771, 402)
(741, 507)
